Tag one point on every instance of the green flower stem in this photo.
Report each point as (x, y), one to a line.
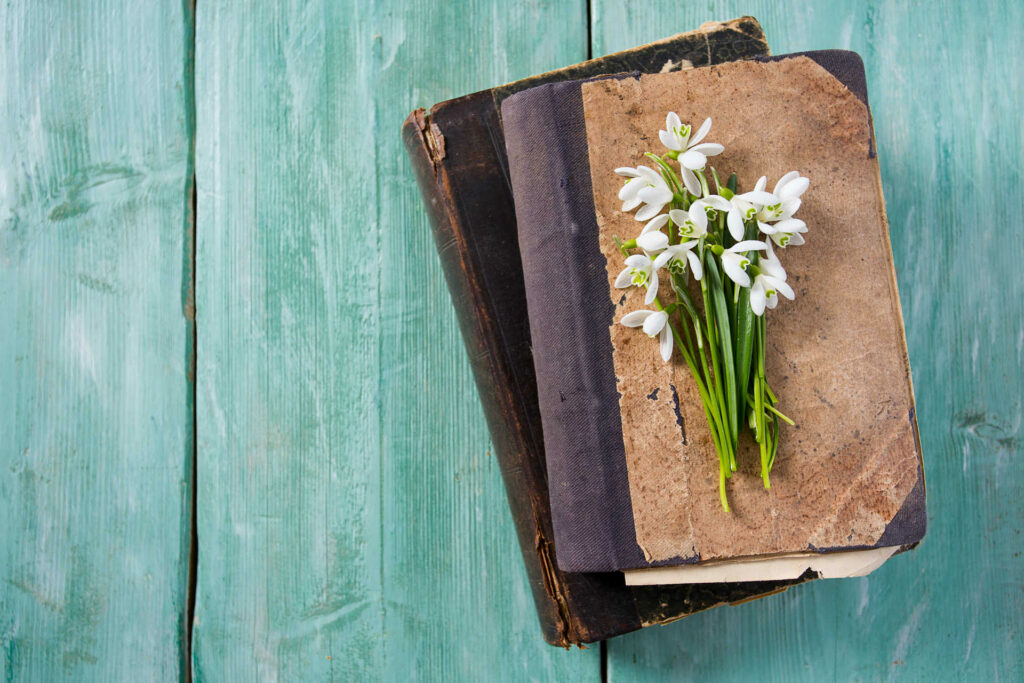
(726, 379)
(759, 395)
(667, 173)
(712, 351)
(708, 402)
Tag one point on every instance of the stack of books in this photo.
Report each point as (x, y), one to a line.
(611, 474)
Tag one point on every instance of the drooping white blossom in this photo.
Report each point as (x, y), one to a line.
(645, 186)
(735, 262)
(770, 282)
(652, 241)
(773, 210)
(639, 272)
(693, 224)
(676, 256)
(693, 154)
(654, 324)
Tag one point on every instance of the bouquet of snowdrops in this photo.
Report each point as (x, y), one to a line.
(725, 240)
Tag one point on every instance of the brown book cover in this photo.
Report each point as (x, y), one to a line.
(623, 427)
(458, 156)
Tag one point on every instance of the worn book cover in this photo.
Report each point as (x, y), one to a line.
(458, 155)
(632, 471)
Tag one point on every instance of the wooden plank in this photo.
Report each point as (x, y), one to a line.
(351, 521)
(942, 81)
(95, 344)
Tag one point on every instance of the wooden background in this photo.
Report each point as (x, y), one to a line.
(219, 293)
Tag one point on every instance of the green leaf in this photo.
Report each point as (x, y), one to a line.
(725, 341)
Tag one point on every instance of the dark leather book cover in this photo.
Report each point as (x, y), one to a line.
(628, 489)
(458, 156)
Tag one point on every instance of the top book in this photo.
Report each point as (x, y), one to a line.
(632, 469)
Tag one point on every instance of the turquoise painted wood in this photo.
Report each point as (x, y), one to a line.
(944, 83)
(95, 340)
(352, 522)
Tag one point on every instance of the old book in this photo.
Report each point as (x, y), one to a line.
(458, 156)
(632, 471)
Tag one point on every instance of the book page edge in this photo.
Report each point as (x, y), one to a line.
(838, 565)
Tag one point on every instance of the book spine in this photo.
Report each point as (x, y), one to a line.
(425, 146)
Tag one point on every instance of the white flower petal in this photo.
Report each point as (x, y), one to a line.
(758, 197)
(771, 266)
(773, 301)
(672, 121)
(731, 265)
(652, 288)
(650, 175)
(699, 216)
(695, 266)
(785, 179)
(655, 323)
(669, 140)
(664, 257)
(718, 202)
(625, 279)
(796, 240)
(666, 343)
(783, 288)
(708, 149)
(677, 216)
(702, 132)
(654, 195)
(747, 245)
(655, 223)
(690, 180)
(627, 171)
(636, 318)
(693, 160)
(791, 225)
(795, 188)
(631, 204)
(652, 241)
(760, 184)
(649, 211)
(735, 222)
(766, 228)
(789, 207)
(757, 298)
(638, 261)
(631, 188)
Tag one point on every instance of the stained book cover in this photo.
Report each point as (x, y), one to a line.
(457, 152)
(632, 471)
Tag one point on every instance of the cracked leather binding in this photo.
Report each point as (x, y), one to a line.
(458, 156)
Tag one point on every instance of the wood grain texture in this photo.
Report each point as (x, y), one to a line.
(352, 523)
(95, 343)
(942, 82)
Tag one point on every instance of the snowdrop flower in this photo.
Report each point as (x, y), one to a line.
(770, 281)
(645, 186)
(747, 207)
(694, 223)
(676, 257)
(693, 155)
(640, 271)
(735, 263)
(787, 233)
(654, 323)
(656, 223)
(770, 209)
(652, 242)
